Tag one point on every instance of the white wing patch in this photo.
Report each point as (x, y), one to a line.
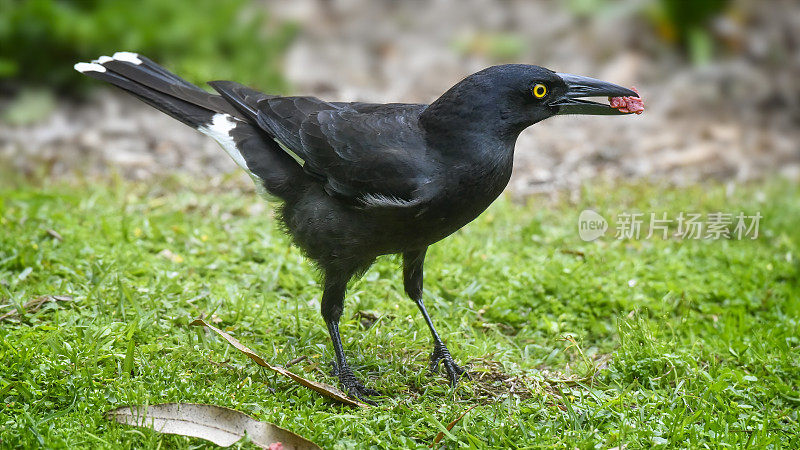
(220, 130)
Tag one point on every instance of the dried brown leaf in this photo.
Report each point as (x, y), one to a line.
(222, 426)
(322, 388)
(33, 305)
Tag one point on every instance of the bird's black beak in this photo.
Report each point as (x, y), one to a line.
(579, 87)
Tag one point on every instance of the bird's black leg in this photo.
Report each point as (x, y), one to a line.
(412, 280)
(332, 303)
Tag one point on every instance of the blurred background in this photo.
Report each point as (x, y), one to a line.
(720, 79)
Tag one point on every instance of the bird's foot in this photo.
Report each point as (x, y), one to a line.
(454, 371)
(352, 386)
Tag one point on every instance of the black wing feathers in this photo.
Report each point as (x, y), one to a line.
(282, 117)
(369, 154)
(243, 98)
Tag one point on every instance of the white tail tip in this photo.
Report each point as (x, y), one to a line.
(89, 67)
(130, 57)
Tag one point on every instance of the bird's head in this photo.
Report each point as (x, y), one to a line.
(509, 98)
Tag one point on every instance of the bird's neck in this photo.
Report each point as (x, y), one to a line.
(472, 124)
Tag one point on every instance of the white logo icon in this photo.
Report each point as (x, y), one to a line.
(591, 225)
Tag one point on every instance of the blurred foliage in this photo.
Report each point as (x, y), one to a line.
(494, 46)
(681, 23)
(40, 40)
(687, 24)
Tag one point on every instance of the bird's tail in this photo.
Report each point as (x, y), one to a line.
(210, 114)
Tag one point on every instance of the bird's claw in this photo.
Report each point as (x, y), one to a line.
(354, 388)
(454, 371)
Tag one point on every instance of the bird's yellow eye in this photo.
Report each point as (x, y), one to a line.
(539, 91)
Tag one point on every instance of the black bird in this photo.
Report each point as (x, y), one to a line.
(360, 180)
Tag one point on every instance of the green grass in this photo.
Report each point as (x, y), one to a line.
(700, 349)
